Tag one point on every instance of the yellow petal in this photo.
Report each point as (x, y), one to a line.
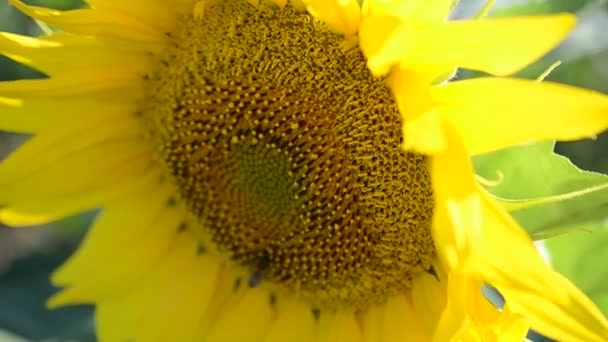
(424, 134)
(170, 299)
(156, 12)
(34, 113)
(457, 218)
(386, 25)
(400, 322)
(428, 299)
(103, 83)
(342, 16)
(65, 52)
(120, 225)
(507, 259)
(121, 270)
(496, 46)
(493, 113)
(418, 11)
(97, 168)
(422, 126)
(514, 327)
(228, 291)
(293, 315)
(280, 3)
(255, 308)
(339, 326)
(96, 22)
(373, 35)
(371, 322)
(412, 91)
(44, 150)
(41, 198)
(455, 317)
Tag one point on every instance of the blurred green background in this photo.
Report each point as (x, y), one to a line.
(27, 256)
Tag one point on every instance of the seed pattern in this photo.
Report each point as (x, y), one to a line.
(288, 151)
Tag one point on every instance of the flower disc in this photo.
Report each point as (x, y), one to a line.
(287, 150)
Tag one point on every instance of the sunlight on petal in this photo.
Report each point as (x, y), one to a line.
(493, 113)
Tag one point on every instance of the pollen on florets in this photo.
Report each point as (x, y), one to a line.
(287, 149)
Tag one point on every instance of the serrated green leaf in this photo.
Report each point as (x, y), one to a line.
(534, 171)
(581, 257)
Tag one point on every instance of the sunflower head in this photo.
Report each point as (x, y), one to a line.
(243, 142)
(287, 149)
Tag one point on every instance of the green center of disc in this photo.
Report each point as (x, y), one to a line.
(263, 177)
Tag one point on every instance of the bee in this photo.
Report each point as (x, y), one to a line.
(256, 277)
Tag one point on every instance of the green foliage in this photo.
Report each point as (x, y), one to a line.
(582, 258)
(579, 225)
(533, 171)
(514, 8)
(57, 4)
(23, 293)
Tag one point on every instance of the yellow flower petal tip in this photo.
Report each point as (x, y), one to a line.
(482, 110)
(497, 46)
(342, 16)
(15, 219)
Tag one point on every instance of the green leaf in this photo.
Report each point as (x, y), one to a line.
(57, 4)
(6, 336)
(533, 171)
(23, 293)
(581, 257)
(536, 7)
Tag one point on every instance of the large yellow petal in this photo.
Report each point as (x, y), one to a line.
(496, 46)
(106, 24)
(92, 169)
(103, 83)
(38, 105)
(393, 321)
(82, 181)
(36, 112)
(120, 225)
(39, 211)
(338, 326)
(292, 315)
(493, 113)
(342, 16)
(157, 12)
(507, 259)
(168, 302)
(428, 301)
(65, 52)
(386, 25)
(418, 11)
(229, 289)
(400, 322)
(72, 137)
(121, 269)
(375, 37)
(457, 217)
(255, 307)
(455, 318)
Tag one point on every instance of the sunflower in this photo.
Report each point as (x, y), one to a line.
(289, 171)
